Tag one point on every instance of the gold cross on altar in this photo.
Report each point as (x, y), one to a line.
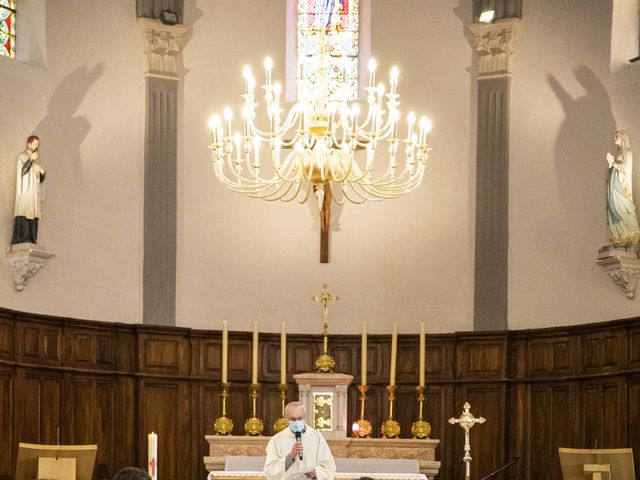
(467, 421)
(325, 298)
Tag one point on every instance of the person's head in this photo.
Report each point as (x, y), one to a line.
(295, 414)
(33, 142)
(132, 473)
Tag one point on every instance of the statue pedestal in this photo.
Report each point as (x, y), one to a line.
(25, 260)
(324, 396)
(622, 265)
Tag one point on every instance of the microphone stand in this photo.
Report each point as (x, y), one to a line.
(493, 474)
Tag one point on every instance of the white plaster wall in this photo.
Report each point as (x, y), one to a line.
(565, 107)
(404, 260)
(87, 105)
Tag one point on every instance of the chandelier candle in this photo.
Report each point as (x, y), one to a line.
(322, 147)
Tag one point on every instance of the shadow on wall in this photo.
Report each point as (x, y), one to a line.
(61, 131)
(580, 150)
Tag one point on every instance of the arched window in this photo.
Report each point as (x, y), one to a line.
(329, 26)
(8, 28)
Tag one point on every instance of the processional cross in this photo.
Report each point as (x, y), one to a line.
(467, 421)
(325, 363)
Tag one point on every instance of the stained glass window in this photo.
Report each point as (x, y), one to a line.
(8, 28)
(330, 26)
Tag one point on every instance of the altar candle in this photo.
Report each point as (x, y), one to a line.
(422, 353)
(254, 369)
(152, 444)
(363, 364)
(394, 353)
(225, 350)
(283, 353)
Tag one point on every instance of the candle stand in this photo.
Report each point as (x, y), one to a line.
(391, 427)
(364, 426)
(253, 425)
(420, 428)
(281, 423)
(223, 424)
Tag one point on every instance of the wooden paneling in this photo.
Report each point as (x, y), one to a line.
(111, 384)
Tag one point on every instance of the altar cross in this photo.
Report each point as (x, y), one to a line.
(467, 421)
(325, 298)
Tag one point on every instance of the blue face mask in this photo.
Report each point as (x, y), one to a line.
(296, 425)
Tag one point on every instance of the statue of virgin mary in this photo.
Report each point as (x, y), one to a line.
(621, 211)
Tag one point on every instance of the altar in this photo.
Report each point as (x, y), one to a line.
(422, 450)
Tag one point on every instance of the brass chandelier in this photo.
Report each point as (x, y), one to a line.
(322, 148)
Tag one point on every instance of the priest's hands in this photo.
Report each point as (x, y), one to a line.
(296, 450)
(311, 473)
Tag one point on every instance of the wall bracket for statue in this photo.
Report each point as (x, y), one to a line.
(25, 260)
(622, 265)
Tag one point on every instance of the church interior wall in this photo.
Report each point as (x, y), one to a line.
(86, 102)
(241, 259)
(567, 103)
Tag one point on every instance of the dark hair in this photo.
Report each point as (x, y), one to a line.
(132, 473)
(31, 138)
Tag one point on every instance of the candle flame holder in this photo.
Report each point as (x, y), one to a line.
(281, 423)
(253, 425)
(391, 427)
(420, 428)
(223, 424)
(364, 426)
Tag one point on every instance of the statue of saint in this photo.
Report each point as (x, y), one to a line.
(621, 211)
(29, 194)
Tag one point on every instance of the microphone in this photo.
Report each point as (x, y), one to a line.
(299, 442)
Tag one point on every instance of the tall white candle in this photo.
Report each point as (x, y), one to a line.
(225, 350)
(422, 354)
(152, 445)
(394, 353)
(254, 369)
(363, 364)
(283, 353)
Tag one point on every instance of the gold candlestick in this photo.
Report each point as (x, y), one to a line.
(281, 423)
(467, 421)
(253, 425)
(420, 428)
(364, 426)
(223, 424)
(390, 427)
(325, 362)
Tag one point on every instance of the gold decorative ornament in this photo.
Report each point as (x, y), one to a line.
(325, 362)
(253, 425)
(467, 421)
(281, 423)
(390, 427)
(420, 428)
(364, 426)
(223, 424)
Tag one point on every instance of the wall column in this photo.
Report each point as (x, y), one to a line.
(162, 46)
(494, 45)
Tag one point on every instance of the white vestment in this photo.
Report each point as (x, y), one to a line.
(316, 454)
(29, 190)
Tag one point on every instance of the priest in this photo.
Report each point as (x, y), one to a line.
(298, 452)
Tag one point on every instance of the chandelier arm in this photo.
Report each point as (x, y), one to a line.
(239, 187)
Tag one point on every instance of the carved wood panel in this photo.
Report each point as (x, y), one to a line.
(7, 414)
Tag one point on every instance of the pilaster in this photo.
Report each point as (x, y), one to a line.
(494, 44)
(162, 45)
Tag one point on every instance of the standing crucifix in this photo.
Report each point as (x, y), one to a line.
(325, 363)
(467, 421)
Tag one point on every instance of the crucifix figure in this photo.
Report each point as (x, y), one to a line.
(325, 363)
(467, 421)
